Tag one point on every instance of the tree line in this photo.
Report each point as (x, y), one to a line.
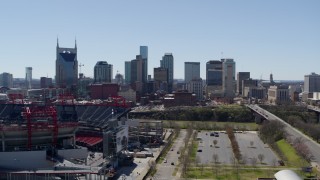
(224, 113)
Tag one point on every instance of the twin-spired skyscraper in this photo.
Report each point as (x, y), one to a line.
(66, 66)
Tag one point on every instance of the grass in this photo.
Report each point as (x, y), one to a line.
(212, 125)
(293, 159)
(194, 151)
(175, 171)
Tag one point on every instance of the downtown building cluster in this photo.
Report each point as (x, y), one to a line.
(137, 85)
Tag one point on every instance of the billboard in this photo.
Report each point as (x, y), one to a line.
(122, 138)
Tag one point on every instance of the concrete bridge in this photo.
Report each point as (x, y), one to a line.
(259, 113)
(313, 146)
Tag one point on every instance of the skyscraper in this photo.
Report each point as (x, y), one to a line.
(191, 71)
(28, 77)
(45, 82)
(127, 74)
(195, 86)
(161, 78)
(167, 62)
(214, 73)
(137, 74)
(103, 72)
(312, 83)
(240, 77)
(144, 56)
(6, 80)
(66, 66)
(228, 70)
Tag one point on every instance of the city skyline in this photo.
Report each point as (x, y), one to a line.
(261, 37)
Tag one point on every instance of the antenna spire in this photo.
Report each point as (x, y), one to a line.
(75, 42)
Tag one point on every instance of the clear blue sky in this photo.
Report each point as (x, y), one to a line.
(282, 37)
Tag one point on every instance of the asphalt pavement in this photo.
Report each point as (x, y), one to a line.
(166, 169)
(223, 148)
(249, 151)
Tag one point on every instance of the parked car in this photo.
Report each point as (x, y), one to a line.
(199, 150)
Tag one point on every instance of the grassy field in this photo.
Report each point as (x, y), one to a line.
(294, 160)
(211, 125)
(194, 151)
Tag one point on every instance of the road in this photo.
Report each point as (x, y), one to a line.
(165, 170)
(313, 146)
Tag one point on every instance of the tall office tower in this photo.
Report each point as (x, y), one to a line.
(66, 66)
(228, 77)
(144, 55)
(137, 74)
(28, 77)
(103, 72)
(167, 62)
(214, 73)
(6, 80)
(240, 77)
(161, 78)
(312, 83)
(191, 71)
(195, 86)
(127, 73)
(45, 82)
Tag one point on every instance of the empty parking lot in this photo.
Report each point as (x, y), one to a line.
(249, 143)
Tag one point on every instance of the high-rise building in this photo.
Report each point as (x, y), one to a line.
(312, 83)
(248, 83)
(127, 72)
(103, 72)
(45, 82)
(195, 86)
(278, 94)
(168, 62)
(6, 80)
(144, 56)
(66, 66)
(28, 77)
(136, 76)
(214, 73)
(161, 78)
(228, 76)
(240, 77)
(191, 71)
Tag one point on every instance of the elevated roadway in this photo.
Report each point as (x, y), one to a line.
(313, 146)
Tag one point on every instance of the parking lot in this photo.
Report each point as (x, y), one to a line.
(249, 143)
(223, 148)
(257, 147)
